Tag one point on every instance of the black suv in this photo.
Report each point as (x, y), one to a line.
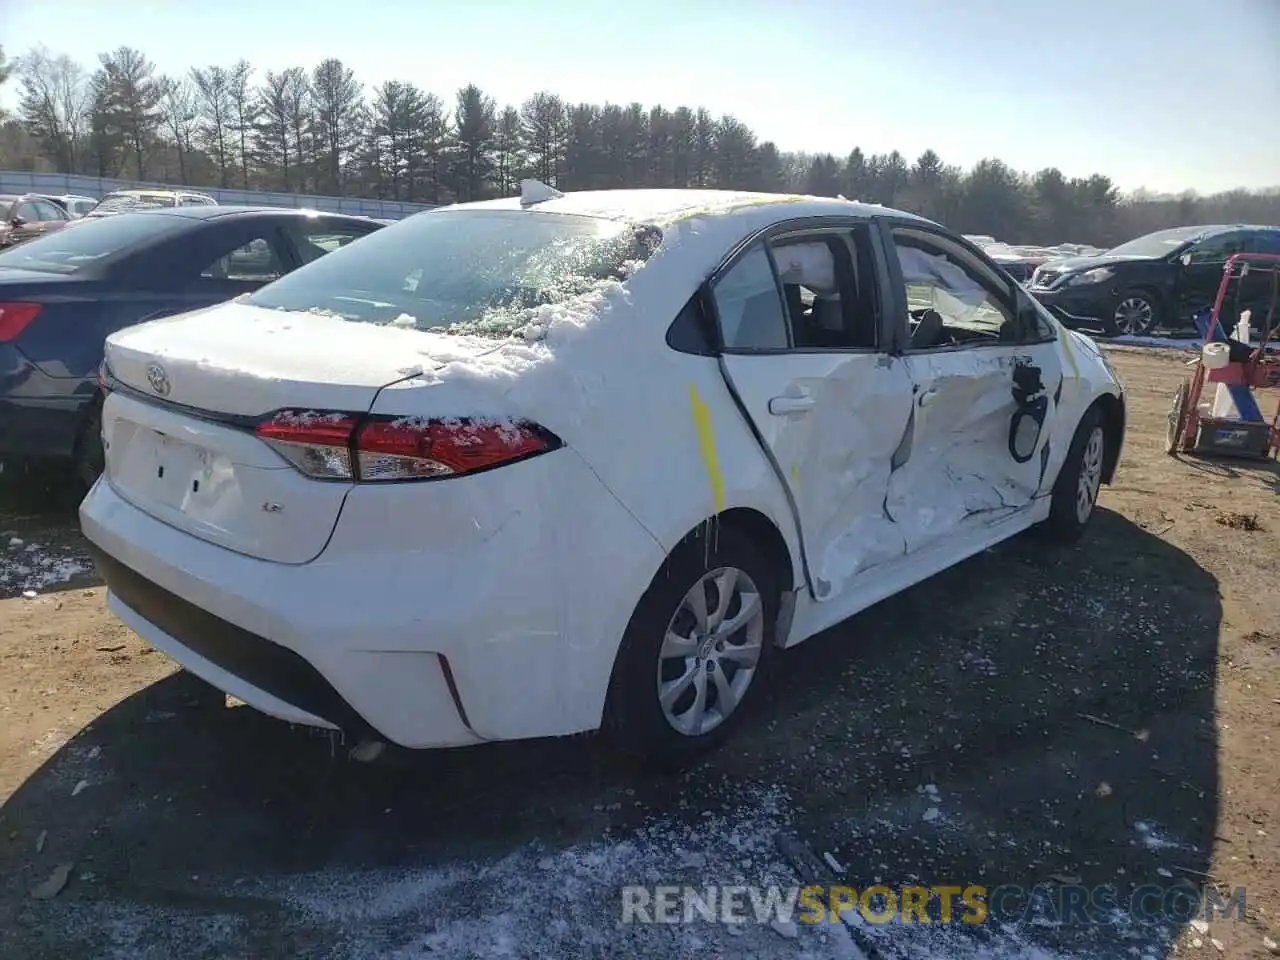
(1160, 280)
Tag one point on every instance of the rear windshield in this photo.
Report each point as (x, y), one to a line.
(463, 271)
(87, 243)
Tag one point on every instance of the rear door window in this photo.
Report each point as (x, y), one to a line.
(1264, 241)
(258, 261)
(313, 239)
(1217, 249)
(750, 306)
(50, 211)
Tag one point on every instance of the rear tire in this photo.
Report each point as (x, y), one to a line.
(1075, 492)
(690, 669)
(89, 459)
(1177, 419)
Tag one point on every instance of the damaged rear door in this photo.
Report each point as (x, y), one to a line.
(986, 378)
(803, 331)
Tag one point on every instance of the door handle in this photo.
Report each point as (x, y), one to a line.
(928, 397)
(789, 406)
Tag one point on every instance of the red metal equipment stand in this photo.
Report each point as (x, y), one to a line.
(1247, 370)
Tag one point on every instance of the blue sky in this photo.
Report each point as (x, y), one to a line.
(1140, 90)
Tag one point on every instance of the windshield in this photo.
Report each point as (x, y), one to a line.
(1156, 244)
(117, 202)
(463, 271)
(87, 244)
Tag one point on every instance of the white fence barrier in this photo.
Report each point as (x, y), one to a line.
(57, 184)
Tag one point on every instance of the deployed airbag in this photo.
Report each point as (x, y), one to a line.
(935, 270)
(809, 265)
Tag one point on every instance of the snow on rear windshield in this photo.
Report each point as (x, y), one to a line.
(478, 272)
(135, 201)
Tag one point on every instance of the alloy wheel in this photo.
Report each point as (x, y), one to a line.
(1134, 315)
(1090, 475)
(710, 651)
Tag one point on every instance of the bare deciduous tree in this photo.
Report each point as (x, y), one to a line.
(53, 104)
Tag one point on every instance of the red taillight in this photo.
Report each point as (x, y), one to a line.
(318, 444)
(332, 446)
(416, 448)
(14, 318)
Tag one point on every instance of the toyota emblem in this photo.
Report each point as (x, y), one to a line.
(158, 379)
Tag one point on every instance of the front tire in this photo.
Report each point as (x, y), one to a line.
(696, 651)
(1075, 492)
(1137, 314)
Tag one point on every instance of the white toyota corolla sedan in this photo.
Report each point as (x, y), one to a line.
(542, 465)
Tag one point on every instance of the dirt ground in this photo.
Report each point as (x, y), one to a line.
(1109, 712)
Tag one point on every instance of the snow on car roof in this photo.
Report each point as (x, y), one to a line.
(666, 205)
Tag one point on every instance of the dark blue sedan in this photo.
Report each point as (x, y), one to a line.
(62, 295)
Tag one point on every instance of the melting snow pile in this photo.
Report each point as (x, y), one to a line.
(31, 567)
(536, 902)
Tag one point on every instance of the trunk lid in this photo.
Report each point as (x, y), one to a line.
(184, 450)
(241, 360)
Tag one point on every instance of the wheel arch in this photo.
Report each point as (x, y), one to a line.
(1161, 298)
(764, 533)
(1111, 411)
(757, 527)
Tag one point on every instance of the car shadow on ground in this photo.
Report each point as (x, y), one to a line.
(1034, 716)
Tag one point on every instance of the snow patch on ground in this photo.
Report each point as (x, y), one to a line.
(534, 902)
(34, 566)
(1153, 837)
(1169, 343)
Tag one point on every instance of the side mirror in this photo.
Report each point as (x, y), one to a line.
(1185, 259)
(17, 221)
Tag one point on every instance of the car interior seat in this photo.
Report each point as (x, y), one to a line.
(928, 330)
(827, 320)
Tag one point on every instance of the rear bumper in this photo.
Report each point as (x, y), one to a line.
(270, 677)
(509, 632)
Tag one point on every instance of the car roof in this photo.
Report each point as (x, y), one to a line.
(658, 205)
(172, 191)
(1210, 230)
(212, 212)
